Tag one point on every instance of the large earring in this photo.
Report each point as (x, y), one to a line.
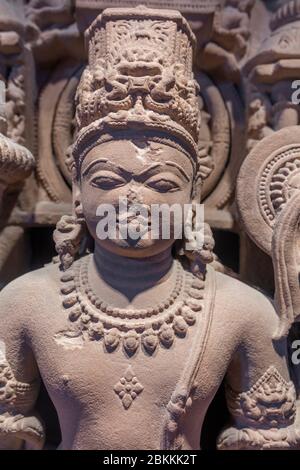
(68, 235)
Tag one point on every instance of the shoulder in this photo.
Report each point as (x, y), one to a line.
(33, 281)
(251, 310)
(23, 296)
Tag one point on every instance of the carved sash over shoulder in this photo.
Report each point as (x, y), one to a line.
(182, 397)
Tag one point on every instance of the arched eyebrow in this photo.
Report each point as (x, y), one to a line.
(179, 168)
(92, 164)
(162, 165)
(112, 166)
(142, 174)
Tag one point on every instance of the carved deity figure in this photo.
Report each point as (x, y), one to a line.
(133, 337)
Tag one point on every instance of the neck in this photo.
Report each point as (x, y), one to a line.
(132, 276)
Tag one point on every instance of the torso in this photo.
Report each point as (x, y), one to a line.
(81, 381)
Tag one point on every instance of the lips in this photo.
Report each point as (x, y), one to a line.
(132, 224)
(133, 214)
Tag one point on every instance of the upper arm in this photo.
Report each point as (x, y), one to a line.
(14, 346)
(19, 377)
(257, 349)
(260, 395)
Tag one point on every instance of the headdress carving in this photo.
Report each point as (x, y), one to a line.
(139, 76)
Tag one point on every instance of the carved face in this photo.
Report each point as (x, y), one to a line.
(140, 174)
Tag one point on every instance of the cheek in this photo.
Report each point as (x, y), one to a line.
(89, 199)
(92, 197)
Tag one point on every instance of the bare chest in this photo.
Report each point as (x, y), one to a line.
(108, 391)
(87, 375)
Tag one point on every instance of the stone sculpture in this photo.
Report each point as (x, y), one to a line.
(274, 207)
(133, 337)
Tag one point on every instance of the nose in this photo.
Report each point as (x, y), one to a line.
(133, 195)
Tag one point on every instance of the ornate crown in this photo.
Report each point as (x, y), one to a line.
(139, 75)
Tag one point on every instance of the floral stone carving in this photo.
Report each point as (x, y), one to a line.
(128, 388)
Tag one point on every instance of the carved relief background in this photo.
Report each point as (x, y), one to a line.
(246, 60)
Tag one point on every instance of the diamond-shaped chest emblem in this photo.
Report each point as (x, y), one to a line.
(128, 388)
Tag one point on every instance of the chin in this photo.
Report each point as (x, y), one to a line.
(141, 249)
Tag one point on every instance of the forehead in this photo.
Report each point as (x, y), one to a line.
(137, 155)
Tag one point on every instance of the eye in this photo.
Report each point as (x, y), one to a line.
(162, 184)
(107, 181)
